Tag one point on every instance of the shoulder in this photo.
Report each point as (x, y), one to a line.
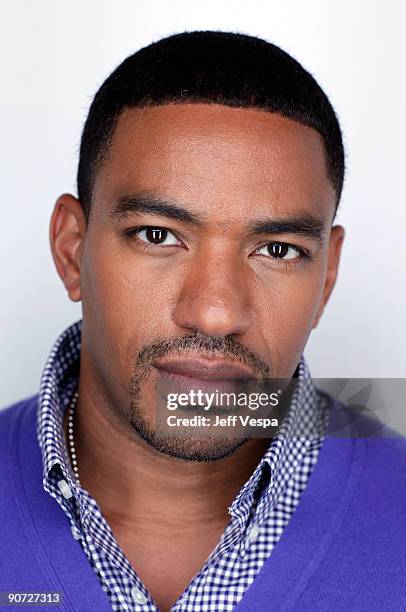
(14, 412)
(383, 450)
(13, 418)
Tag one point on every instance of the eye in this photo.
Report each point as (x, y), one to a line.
(280, 250)
(156, 235)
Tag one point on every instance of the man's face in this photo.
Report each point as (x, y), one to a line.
(209, 243)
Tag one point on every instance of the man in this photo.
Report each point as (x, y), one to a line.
(203, 250)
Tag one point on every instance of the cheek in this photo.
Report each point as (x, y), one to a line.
(126, 301)
(286, 308)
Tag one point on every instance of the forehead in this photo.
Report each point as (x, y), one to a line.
(214, 157)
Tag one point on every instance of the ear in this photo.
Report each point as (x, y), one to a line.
(66, 233)
(334, 251)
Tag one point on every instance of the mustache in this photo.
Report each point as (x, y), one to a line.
(212, 346)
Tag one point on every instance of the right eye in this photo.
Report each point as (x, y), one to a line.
(156, 235)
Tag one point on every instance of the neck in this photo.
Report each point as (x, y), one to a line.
(131, 481)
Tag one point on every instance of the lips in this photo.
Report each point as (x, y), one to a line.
(205, 370)
(207, 375)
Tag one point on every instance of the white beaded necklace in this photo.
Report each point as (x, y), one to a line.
(71, 440)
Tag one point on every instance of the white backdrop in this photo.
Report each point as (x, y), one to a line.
(55, 54)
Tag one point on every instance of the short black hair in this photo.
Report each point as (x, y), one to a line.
(208, 67)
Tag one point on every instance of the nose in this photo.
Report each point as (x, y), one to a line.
(214, 298)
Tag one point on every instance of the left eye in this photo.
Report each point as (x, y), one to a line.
(157, 235)
(279, 250)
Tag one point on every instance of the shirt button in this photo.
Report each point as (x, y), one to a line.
(75, 532)
(65, 489)
(253, 533)
(138, 596)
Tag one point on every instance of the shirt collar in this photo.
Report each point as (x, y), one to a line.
(58, 384)
(302, 423)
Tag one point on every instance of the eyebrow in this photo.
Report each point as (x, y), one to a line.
(153, 205)
(306, 224)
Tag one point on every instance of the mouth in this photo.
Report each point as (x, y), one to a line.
(209, 370)
(205, 375)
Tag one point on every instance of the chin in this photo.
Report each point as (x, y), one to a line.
(194, 447)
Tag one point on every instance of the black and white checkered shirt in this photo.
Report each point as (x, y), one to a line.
(258, 514)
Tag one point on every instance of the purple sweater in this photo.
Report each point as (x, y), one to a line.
(343, 550)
